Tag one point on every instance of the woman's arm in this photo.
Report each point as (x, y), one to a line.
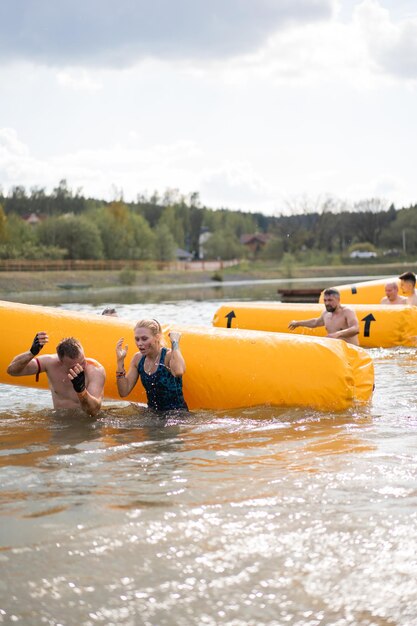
(125, 381)
(174, 359)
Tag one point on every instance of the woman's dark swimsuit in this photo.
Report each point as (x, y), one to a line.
(163, 390)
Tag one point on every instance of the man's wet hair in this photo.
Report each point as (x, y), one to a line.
(331, 291)
(410, 276)
(109, 310)
(69, 347)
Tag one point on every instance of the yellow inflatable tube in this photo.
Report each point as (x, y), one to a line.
(225, 369)
(381, 326)
(367, 292)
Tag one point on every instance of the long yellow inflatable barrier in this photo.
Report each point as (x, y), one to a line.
(224, 369)
(381, 326)
(367, 292)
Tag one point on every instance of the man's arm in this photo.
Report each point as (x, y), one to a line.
(90, 396)
(352, 326)
(24, 364)
(312, 323)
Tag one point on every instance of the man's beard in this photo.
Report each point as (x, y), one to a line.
(330, 308)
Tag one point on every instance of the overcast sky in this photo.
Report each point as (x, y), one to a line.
(255, 104)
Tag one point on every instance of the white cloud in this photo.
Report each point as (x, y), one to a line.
(10, 145)
(387, 187)
(78, 79)
(135, 170)
(321, 52)
(364, 49)
(393, 46)
(124, 166)
(233, 184)
(391, 188)
(237, 186)
(316, 106)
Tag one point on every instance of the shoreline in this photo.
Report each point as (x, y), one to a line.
(27, 282)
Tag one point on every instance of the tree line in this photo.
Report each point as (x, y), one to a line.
(66, 224)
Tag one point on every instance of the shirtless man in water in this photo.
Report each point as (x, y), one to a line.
(340, 321)
(74, 380)
(391, 294)
(408, 287)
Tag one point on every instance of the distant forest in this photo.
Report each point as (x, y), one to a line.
(66, 225)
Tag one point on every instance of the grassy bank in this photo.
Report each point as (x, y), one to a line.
(45, 281)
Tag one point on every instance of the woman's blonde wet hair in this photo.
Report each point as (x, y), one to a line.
(153, 325)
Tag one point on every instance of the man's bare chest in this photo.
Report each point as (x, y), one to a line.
(335, 321)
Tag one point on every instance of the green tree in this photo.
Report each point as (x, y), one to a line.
(401, 233)
(174, 223)
(63, 200)
(18, 232)
(144, 238)
(196, 224)
(39, 202)
(223, 245)
(17, 202)
(3, 224)
(78, 235)
(125, 235)
(368, 219)
(20, 242)
(273, 250)
(235, 222)
(164, 243)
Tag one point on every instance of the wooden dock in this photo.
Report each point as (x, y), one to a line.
(299, 295)
(74, 285)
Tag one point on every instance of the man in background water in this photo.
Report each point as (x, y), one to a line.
(391, 294)
(408, 287)
(340, 321)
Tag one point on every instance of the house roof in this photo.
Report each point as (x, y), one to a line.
(32, 218)
(183, 254)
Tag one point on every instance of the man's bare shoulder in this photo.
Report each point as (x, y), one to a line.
(348, 310)
(349, 315)
(95, 364)
(47, 360)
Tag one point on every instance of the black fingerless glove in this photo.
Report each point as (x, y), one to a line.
(79, 382)
(36, 346)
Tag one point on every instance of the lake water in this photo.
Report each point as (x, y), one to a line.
(246, 517)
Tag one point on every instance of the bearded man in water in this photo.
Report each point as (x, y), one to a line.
(340, 321)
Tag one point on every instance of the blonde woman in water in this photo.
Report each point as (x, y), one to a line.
(159, 368)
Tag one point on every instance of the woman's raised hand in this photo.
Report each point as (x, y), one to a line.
(121, 351)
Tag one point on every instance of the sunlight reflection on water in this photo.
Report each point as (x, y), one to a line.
(246, 517)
